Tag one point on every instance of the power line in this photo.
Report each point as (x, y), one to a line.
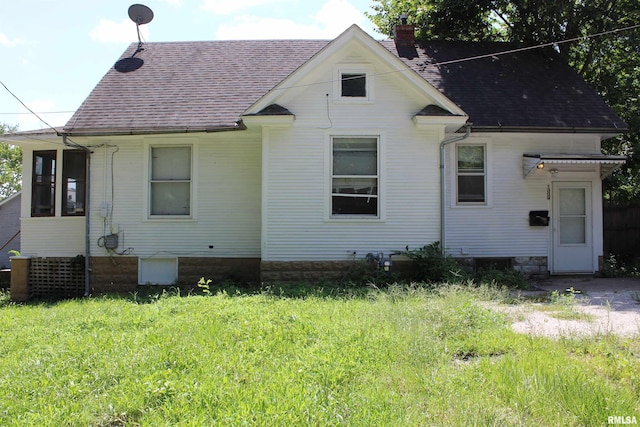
(29, 109)
(488, 55)
(39, 112)
(65, 140)
(522, 49)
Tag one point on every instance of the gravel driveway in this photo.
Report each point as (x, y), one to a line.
(601, 306)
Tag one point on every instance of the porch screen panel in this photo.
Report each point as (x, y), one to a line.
(43, 188)
(74, 164)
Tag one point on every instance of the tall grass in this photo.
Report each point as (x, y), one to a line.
(402, 356)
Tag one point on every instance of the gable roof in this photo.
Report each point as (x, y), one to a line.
(208, 85)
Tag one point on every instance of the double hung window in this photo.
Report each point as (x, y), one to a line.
(471, 174)
(170, 181)
(355, 176)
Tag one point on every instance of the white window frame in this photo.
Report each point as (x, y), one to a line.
(485, 174)
(365, 69)
(149, 145)
(329, 216)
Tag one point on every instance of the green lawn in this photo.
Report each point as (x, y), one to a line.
(402, 356)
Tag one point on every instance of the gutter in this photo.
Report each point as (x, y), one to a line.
(443, 144)
(239, 125)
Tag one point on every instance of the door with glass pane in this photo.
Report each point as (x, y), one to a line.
(572, 231)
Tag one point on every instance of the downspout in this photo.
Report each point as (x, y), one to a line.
(87, 249)
(443, 144)
(87, 246)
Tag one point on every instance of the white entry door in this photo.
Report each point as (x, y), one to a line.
(572, 232)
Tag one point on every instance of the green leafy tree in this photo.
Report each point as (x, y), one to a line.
(609, 62)
(10, 165)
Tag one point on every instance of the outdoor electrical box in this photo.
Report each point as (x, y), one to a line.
(539, 218)
(111, 241)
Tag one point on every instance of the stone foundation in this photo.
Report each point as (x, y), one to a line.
(531, 267)
(321, 271)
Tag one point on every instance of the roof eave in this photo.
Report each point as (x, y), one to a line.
(609, 132)
(153, 131)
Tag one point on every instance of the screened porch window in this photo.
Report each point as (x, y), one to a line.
(471, 174)
(43, 187)
(74, 165)
(170, 183)
(354, 177)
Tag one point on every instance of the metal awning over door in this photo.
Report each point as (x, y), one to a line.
(606, 164)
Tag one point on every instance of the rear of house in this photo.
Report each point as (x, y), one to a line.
(293, 160)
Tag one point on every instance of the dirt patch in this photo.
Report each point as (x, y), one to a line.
(579, 306)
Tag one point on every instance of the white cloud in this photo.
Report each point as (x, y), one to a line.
(227, 7)
(331, 20)
(6, 41)
(118, 32)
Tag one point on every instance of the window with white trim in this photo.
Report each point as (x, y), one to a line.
(471, 174)
(354, 176)
(170, 181)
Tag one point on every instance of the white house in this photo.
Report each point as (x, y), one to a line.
(292, 159)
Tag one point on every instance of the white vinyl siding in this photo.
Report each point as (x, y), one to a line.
(501, 227)
(298, 223)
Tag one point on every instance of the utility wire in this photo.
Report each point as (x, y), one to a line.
(522, 49)
(40, 112)
(29, 109)
(473, 58)
(66, 140)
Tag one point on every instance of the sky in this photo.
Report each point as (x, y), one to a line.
(54, 52)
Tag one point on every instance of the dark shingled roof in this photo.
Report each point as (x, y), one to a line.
(189, 86)
(208, 85)
(532, 89)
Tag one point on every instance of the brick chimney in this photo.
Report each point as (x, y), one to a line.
(404, 34)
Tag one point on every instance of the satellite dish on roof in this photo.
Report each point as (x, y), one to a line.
(140, 14)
